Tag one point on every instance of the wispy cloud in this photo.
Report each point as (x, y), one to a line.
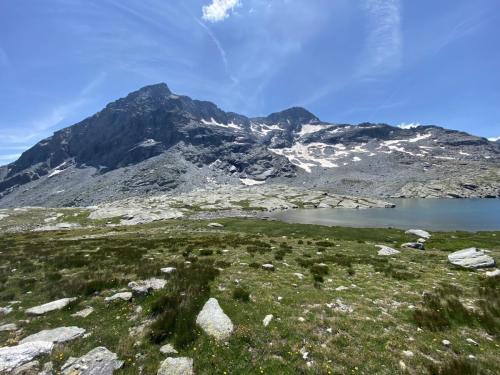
(494, 139)
(384, 43)
(219, 10)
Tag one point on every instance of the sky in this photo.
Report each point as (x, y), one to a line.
(347, 61)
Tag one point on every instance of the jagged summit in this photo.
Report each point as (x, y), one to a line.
(153, 140)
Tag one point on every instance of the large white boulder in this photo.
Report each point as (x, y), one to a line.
(56, 335)
(419, 232)
(12, 357)
(51, 306)
(471, 258)
(214, 321)
(99, 361)
(176, 366)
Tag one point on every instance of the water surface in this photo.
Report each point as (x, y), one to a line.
(431, 214)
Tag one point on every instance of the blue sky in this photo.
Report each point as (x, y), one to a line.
(347, 61)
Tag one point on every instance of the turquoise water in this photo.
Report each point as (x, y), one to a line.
(430, 214)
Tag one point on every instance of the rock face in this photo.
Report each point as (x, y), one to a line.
(214, 321)
(386, 250)
(51, 306)
(56, 335)
(99, 361)
(471, 258)
(12, 357)
(154, 141)
(419, 232)
(146, 286)
(176, 366)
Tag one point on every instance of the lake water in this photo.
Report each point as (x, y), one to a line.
(430, 214)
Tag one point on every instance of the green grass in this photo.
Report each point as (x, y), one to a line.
(411, 301)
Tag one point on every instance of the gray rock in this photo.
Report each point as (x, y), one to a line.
(168, 270)
(268, 267)
(51, 306)
(124, 296)
(386, 250)
(493, 273)
(83, 313)
(56, 335)
(414, 245)
(47, 369)
(5, 310)
(215, 225)
(176, 366)
(146, 286)
(214, 321)
(168, 349)
(12, 357)
(99, 361)
(471, 258)
(419, 232)
(267, 320)
(8, 327)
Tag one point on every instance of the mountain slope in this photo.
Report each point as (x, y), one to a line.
(153, 140)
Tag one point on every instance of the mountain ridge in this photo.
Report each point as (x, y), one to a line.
(203, 144)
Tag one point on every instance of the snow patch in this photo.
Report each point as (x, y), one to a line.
(411, 125)
(231, 125)
(309, 128)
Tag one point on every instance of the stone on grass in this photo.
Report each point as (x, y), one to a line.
(99, 361)
(56, 335)
(267, 320)
(83, 313)
(168, 349)
(12, 357)
(50, 306)
(8, 327)
(493, 273)
(471, 341)
(386, 250)
(446, 342)
(268, 267)
(124, 296)
(299, 275)
(168, 269)
(419, 232)
(471, 258)
(176, 366)
(215, 225)
(414, 245)
(214, 321)
(5, 310)
(146, 286)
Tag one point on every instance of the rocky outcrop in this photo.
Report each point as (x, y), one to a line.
(51, 306)
(99, 361)
(471, 258)
(12, 357)
(56, 335)
(214, 321)
(386, 250)
(123, 296)
(146, 286)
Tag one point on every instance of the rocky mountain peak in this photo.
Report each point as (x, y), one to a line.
(293, 115)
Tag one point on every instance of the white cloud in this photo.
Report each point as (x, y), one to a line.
(219, 10)
(494, 139)
(385, 42)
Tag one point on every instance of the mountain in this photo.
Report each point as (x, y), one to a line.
(154, 140)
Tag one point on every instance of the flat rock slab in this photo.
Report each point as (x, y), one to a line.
(176, 366)
(168, 269)
(419, 232)
(168, 349)
(8, 327)
(471, 258)
(124, 296)
(13, 357)
(214, 321)
(83, 313)
(5, 310)
(51, 306)
(386, 250)
(215, 225)
(56, 335)
(146, 286)
(99, 361)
